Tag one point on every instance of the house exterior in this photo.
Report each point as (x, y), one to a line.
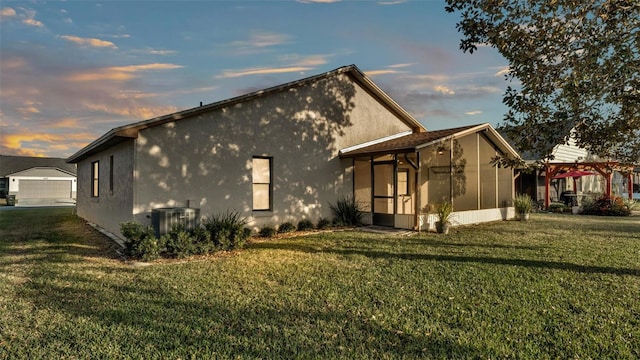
(38, 181)
(279, 154)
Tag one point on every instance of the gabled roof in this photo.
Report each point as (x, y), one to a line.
(130, 131)
(416, 141)
(10, 164)
(43, 171)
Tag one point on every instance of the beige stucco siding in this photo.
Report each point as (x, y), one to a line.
(205, 161)
(111, 207)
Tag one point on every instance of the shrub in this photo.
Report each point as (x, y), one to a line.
(227, 230)
(631, 204)
(140, 242)
(178, 243)
(346, 211)
(607, 206)
(323, 223)
(305, 225)
(267, 231)
(202, 242)
(286, 227)
(556, 207)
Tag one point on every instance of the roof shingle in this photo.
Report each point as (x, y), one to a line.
(10, 164)
(407, 143)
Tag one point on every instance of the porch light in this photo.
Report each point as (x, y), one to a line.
(441, 150)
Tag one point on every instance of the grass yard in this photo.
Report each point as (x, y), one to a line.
(559, 286)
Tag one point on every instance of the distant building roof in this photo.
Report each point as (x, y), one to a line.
(10, 164)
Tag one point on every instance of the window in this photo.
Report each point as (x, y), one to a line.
(262, 183)
(111, 174)
(403, 182)
(95, 166)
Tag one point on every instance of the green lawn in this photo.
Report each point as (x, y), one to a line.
(559, 286)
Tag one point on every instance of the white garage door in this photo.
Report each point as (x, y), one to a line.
(45, 189)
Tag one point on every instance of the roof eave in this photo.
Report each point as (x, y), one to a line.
(42, 167)
(399, 150)
(113, 137)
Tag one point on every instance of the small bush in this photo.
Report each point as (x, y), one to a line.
(631, 204)
(267, 231)
(323, 224)
(346, 212)
(305, 225)
(607, 206)
(140, 242)
(202, 242)
(557, 207)
(227, 230)
(178, 243)
(286, 227)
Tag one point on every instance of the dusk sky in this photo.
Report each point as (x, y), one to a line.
(71, 71)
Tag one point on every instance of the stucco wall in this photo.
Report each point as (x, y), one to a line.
(206, 160)
(110, 208)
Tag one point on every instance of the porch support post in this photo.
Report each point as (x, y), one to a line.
(477, 169)
(630, 184)
(451, 175)
(418, 181)
(547, 180)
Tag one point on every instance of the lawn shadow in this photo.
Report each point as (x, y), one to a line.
(50, 237)
(530, 263)
(589, 223)
(167, 323)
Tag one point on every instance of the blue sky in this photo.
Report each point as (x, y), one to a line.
(71, 71)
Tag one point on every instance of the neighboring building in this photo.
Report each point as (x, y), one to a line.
(37, 181)
(286, 152)
(567, 157)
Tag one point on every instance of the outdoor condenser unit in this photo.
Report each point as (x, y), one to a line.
(164, 219)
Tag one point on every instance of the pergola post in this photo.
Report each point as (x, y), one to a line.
(609, 179)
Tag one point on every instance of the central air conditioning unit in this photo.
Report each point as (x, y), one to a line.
(164, 219)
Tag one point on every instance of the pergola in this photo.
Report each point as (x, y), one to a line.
(605, 169)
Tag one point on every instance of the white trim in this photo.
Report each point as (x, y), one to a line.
(468, 217)
(377, 141)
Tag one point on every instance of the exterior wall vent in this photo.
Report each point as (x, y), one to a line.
(164, 219)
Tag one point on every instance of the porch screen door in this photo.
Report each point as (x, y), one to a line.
(383, 193)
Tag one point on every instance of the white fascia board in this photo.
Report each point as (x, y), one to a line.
(376, 141)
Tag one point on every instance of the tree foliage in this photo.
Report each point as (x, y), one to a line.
(574, 64)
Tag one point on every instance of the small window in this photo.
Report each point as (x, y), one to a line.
(261, 179)
(111, 174)
(95, 166)
(403, 182)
